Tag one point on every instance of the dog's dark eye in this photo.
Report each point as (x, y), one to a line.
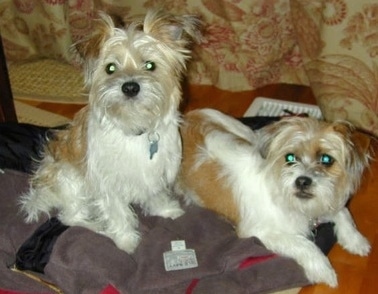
(290, 158)
(110, 68)
(326, 159)
(150, 65)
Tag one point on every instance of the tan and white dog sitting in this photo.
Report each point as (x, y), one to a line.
(276, 183)
(123, 148)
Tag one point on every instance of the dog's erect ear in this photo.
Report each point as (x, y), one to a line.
(267, 134)
(90, 46)
(172, 30)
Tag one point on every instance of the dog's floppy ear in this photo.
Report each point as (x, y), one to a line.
(89, 47)
(172, 30)
(359, 142)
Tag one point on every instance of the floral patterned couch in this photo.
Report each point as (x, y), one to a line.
(331, 45)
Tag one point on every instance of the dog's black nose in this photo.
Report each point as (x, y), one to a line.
(130, 89)
(303, 182)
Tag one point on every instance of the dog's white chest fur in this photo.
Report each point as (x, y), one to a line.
(125, 163)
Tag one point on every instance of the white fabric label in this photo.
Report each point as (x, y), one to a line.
(179, 258)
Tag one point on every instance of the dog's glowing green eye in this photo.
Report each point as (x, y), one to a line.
(290, 158)
(150, 65)
(326, 159)
(110, 68)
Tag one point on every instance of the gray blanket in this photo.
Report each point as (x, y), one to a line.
(85, 262)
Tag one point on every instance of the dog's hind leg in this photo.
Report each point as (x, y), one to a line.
(34, 203)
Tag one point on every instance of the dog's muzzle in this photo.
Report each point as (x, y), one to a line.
(130, 89)
(303, 183)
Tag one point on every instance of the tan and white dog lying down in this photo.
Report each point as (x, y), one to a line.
(277, 182)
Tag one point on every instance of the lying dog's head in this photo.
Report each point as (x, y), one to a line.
(315, 165)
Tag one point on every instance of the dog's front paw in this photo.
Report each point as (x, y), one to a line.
(164, 206)
(357, 244)
(129, 242)
(172, 213)
(321, 271)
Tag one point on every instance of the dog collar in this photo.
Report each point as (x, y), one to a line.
(313, 224)
(153, 138)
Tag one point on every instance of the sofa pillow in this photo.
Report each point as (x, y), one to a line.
(339, 43)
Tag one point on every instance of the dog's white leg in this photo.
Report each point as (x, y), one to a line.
(121, 227)
(162, 204)
(348, 236)
(127, 241)
(315, 264)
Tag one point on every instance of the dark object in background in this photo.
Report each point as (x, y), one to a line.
(21, 145)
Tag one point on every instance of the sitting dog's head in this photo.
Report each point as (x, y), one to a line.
(316, 165)
(133, 72)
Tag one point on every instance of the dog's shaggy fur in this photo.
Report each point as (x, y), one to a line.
(277, 183)
(124, 147)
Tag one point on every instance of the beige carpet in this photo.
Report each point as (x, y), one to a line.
(47, 80)
(32, 115)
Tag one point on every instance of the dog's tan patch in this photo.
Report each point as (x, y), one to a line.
(68, 145)
(71, 144)
(211, 188)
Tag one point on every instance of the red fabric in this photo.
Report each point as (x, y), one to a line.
(109, 289)
(191, 287)
(246, 263)
(253, 260)
(2, 291)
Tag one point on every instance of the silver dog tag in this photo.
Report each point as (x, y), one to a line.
(154, 139)
(153, 148)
